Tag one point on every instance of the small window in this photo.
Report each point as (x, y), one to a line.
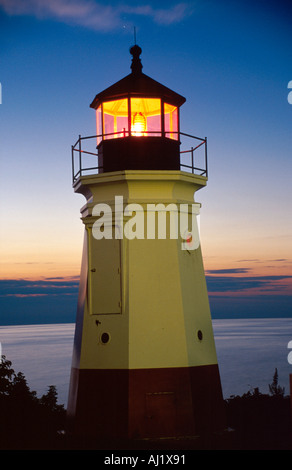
(200, 335)
(104, 338)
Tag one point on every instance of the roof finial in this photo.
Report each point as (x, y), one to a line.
(136, 65)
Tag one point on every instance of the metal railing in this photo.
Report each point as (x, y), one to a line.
(84, 154)
(198, 163)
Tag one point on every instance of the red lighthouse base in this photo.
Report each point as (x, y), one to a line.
(119, 407)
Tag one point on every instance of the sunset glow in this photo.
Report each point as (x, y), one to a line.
(232, 62)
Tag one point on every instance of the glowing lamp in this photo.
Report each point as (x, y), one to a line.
(139, 124)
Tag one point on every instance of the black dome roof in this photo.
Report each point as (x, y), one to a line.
(137, 84)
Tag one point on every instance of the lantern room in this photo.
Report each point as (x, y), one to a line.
(137, 122)
(138, 117)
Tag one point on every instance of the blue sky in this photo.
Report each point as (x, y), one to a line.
(231, 60)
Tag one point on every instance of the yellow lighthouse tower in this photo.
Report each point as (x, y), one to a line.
(144, 364)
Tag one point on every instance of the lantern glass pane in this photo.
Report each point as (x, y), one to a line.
(154, 126)
(115, 119)
(171, 121)
(108, 122)
(146, 116)
(98, 125)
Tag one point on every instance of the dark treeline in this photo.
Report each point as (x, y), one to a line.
(261, 421)
(28, 422)
(256, 421)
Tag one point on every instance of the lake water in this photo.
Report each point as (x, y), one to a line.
(248, 352)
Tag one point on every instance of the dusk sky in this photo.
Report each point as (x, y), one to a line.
(233, 63)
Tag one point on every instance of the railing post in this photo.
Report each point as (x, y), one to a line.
(73, 172)
(129, 117)
(192, 150)
(162, 123)
(80, 163)
(206, 158)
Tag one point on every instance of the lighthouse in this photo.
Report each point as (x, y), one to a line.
(144, 366)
